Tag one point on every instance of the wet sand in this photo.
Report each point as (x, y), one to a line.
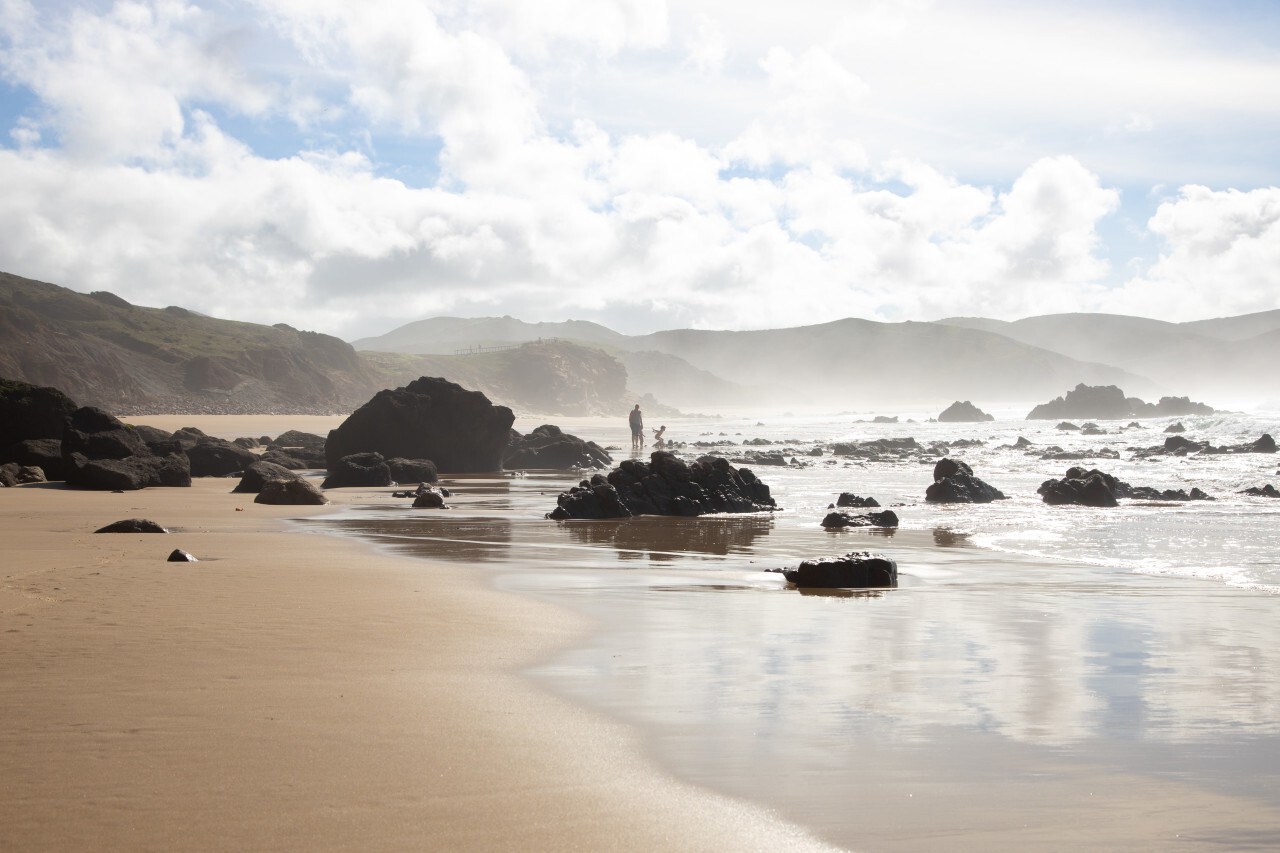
(294, 691)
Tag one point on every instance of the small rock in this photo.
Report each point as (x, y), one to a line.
(180, 556)
(132, 525)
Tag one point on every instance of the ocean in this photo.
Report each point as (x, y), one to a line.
(1043, 677)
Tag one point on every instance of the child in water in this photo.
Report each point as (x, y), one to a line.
(657, 437)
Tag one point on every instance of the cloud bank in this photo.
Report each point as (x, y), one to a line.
(351, 167)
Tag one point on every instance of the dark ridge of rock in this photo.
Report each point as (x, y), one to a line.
(297, 438)
(100, 452)
(155, 437)
(430, 418)
(288, 460)
(132, 525)
(1092, 429)
(42, 453)
(1057, 454)
(177, 555)
(188, 436)
(1107, 402)
(851, 500)
(953, 482)
(1149, 494)
(855, 570)
(296, 492)
(1067, 425)
(1265, 444)
(405, 471)
(666, 485)
(964, 413)
(757, 458)
(247, 442)
(358, 469)
(878, 448)
(1267, 491)
(840, 518)
(1175, 428)
(885, 419)
(216, 457)
(548, 446)
(1178, 445)
(32, 411)
(259, 473)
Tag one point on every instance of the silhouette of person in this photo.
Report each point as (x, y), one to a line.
(657, 437)
(637, 428)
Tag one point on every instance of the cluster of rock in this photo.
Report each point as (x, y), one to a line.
(1177, 445)
(837, 519)
(858, 569)
(954, 482)
(1098, 489)
(666, 485)
(964, 413)
(887, 449)
(1267, 491)
(371, 470)
(1107, 402)
(548, 446)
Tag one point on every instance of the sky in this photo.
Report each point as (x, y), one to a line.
(350, 167)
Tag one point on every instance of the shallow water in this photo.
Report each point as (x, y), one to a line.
(1044, 677)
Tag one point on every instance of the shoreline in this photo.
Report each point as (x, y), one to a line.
(296, 691)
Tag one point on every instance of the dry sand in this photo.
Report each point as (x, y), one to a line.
(293, 691)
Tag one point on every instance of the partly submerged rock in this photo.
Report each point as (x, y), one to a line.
(855, 570)
(852, 500)
(840, 518)
(953, 482)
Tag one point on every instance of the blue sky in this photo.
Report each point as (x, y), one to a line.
(352, 167)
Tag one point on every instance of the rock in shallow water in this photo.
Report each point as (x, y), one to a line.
(855, 570)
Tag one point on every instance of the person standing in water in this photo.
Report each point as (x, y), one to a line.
(637, 428)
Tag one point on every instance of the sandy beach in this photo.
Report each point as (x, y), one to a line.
(293, 691)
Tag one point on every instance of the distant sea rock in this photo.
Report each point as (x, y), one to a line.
(1107, 402)
(964, 413)
(1098, 489)
(430, 418)
(953, 482)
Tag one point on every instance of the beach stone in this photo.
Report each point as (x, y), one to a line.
(296, 492)
(358, 469)
(839, 518)
(405, 471)
(216, 457)
(259, 473)
(430, 418)
(132, 525)
(855, 570)
(13, 474)
(964, 412)
(548, 446)
(954, 482)
(180, 556)
(851, 500)
(428, 498)
(1082, 488)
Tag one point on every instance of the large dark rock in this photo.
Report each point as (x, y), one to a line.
(550, 447)
(666, 485)
(852, 500)
(964, 412)
(100, 452)
(216, 457)
(1267, 491)
(1107, 402)
(428, 498)
(841, 518)
(132, 525)
(1082, 488)
(953, 482)
(296, 492)
(358, 469)
(31, 411)
(856, 570)
(259, 474)
(42, 453)
(404, 471)
(459, 430)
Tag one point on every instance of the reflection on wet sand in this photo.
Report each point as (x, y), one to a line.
(664, 540)
(434, 537)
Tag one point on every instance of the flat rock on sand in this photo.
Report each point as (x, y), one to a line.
(300, 692)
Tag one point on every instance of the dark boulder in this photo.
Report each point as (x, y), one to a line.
(839, 518)
(1067, 425)
(1175, 428)
(429, 498)
(666, 485)
(1266, 444)
(100, 452)
(856, 570)
(852, 500)
(31, 411)
(964, 412)
(953, 482)
(1082, 488)
(259, 473)
(216, 457)
(405, 471)
(289, 461)
(549, 447)
(358, 469)
(459, 430)
(247, 442)
(42, 453)
(13, 474)
(132, 525)
(177, 555)
(1181, 446)
(296, 492)
(297, 438)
